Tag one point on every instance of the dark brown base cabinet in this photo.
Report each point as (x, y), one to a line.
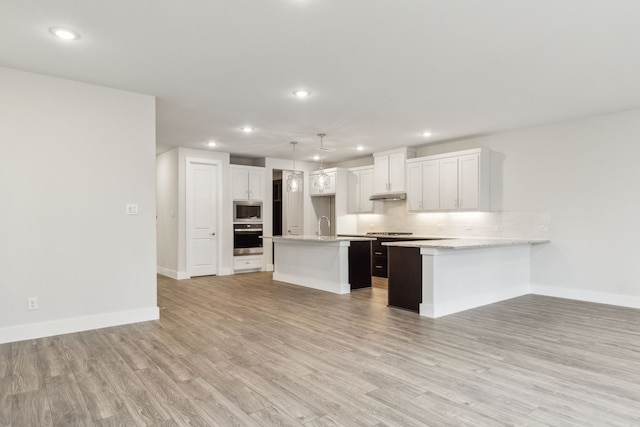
(360, 264)
(405, 278)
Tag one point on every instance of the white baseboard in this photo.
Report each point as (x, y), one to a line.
(77, 324)
(474, 301)
(588, 296)
(178, 275)
(315, 283)
(225, 272)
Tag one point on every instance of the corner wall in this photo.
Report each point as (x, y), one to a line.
(72, 157)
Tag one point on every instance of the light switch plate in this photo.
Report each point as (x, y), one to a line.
(132, 209)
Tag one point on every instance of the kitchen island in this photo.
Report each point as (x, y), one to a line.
(329, 263)
(440, 277)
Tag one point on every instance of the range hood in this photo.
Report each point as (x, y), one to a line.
(389, 196)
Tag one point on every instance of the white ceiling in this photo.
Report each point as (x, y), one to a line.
(381, 71)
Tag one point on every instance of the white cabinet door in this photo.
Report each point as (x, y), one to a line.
(396, 172)
(414, 187)
(240, 184)
(313, 190)
(449, 184)
(256, 184)
(423, 186)
(469, 182)
(381, 174)
(360, 188)
(430, 185)
(353, 189)
(366, 190)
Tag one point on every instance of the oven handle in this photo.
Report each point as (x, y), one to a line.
(249, 230)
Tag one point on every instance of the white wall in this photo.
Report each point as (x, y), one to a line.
(167, 196)
(72, 156)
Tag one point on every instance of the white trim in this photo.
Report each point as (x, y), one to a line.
(220, 229)
(178, 275)
(225, 271)
(315, 283)
(475, 301)
(588, 296)
(77, 324)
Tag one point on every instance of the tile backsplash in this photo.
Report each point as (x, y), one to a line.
(394, 217)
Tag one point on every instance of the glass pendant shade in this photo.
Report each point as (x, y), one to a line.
(295, 179)
(321, 180)
(294, 182)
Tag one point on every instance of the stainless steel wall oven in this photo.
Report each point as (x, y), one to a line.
(247, 239)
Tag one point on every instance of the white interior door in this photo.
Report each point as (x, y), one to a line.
(202, 216)
(292, 210)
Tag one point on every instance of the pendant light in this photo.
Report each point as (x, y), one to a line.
(321, 179)
(295, 179)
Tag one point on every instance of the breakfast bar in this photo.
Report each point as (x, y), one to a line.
(440, 277)
(329, 263)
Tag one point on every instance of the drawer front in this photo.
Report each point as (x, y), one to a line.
(379, 266)
(247, 263)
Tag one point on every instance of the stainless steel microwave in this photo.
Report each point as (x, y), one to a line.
(247, 211)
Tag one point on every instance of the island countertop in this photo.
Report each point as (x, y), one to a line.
(465, 243)
(321, 239)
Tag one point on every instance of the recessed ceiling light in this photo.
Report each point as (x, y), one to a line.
(426, 134)
(359, 148)
(302, 93)
(211, 144)
(316, 157)
(64, 34)
(246, 129)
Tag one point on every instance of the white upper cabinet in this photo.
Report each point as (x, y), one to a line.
(315, 191)
(449, 182)
(247, 182)
(423, 186)
(360, 184)
(389, 170)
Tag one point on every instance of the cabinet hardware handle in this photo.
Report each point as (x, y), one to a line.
(378, 266)
(378, 253)
(213, 234)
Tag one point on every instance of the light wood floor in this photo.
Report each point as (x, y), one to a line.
(244, 350)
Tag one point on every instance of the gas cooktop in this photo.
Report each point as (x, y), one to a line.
(388, 233)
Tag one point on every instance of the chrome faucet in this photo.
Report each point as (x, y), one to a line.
(319, 233)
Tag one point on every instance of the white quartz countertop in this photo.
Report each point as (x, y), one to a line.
(321, 239)
(465, 243)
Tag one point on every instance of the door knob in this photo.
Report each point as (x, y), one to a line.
(213, 234)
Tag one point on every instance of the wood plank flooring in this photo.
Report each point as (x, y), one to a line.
(247, 351)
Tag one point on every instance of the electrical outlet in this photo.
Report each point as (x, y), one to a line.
(32, 303)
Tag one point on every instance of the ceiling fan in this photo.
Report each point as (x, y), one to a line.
(322, 147)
